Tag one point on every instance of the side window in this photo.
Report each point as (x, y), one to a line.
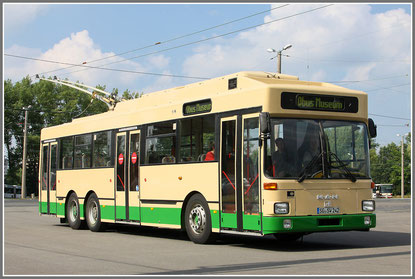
(66, 153)
(102, 150)
(83, 150)
(161, 143)
(197, 138)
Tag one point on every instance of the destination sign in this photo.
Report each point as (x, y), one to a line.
(304, 101)
(197, 107)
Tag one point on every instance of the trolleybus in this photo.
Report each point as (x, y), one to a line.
(249, 153)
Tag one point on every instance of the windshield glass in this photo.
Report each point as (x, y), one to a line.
(296, 148)
(386, 189)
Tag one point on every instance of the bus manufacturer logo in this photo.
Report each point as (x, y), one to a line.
(327, 197)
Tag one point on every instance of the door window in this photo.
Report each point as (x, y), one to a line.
(228, 166)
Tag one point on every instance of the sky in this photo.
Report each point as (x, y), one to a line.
(358, 46)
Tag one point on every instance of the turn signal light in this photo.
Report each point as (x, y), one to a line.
(270, 186)
(372, 185)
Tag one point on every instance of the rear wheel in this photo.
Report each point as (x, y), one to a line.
(198, 221)
(73, 212)
(93, 214)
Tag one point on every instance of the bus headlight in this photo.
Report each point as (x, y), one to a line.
(368, 205)
(281, 208)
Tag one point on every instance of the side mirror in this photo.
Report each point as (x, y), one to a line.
(264, 122)
(372, 128)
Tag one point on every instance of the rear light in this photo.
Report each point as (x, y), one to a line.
(372, 185)
(270, 186)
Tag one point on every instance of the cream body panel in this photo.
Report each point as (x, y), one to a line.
(254, 89)
(163, 182)
(305, 202)
(101, 181)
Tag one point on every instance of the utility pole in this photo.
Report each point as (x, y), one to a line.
(402, 177)
(402, 165)
(26, 115)
(279, 62)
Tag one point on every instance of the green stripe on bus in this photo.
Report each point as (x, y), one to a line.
(229, 220)
(107, 212)
(61, 208)
(161, 215)
(134, 213)
(252, 222)
(215, 219)
(43, 207)
(311, 223)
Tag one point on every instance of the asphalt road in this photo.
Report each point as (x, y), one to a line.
(40, 245)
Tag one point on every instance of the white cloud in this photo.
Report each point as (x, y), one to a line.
(345, 33)
(75, 49)
(161, 83)
(159, 61)
(18, 15)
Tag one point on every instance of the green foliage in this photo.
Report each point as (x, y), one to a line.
(386, 166)
(127, 95)
(51, 104)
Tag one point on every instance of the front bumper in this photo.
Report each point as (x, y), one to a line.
(324, 223)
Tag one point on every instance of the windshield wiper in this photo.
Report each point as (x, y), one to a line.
(343, 166)
(304, 172)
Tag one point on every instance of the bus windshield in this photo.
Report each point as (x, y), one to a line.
(317, 149)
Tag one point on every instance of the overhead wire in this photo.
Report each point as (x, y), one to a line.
(387, 116)
(175, 47)
(101, 68)
(171, 40)
(211, 38)
(364, 80)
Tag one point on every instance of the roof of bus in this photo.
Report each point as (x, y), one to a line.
(216, 89)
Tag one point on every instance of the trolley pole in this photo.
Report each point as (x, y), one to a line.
(26, 115)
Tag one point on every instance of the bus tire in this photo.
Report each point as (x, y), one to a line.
(73, 212)
(288, 237)
(198, 222)
(93, 214)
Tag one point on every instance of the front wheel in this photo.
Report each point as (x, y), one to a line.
(93, 214)
(198, 221)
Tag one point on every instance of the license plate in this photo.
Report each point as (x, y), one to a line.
(328, 210)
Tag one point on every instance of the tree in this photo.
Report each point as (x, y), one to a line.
(386, 166)
(51, 104)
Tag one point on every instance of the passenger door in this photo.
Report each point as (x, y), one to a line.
(48, 178)
(127, 188)
(240, 173)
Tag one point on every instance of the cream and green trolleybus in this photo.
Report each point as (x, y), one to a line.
(287, 157)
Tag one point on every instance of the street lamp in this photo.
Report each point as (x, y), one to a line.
(279, 56)
(402, 153)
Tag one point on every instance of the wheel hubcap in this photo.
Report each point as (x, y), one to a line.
(73, 212)
(197, 219)
(93, 213)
